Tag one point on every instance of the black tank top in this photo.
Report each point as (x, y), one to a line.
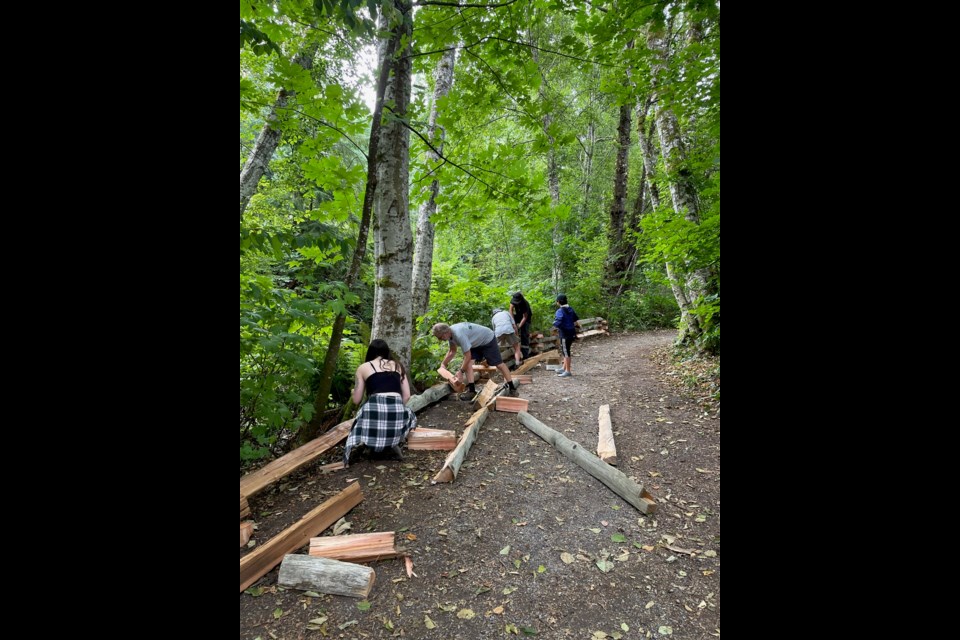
(383, 382)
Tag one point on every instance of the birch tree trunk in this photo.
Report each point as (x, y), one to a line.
(423, 249)
(392, 313)
(682, 189)
(689, 325)
(312, 428)
(269, 137)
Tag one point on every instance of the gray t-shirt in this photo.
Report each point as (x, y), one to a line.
(467, 334)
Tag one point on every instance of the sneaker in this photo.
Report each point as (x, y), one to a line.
(565, 374)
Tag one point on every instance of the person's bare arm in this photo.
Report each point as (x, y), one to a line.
(359, 386)
(404, 389)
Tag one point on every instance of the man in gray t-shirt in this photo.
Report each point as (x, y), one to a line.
(477, 342)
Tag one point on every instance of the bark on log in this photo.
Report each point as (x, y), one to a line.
(265, 557)
(358, 548)
(451, 466)
(623, 486)
(326, 576)
(433, 394)
(606, 447)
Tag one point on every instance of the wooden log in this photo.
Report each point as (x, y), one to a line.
(334, 466)
(619, 483)
(421, 439)
(246, 530)
(451, 379)
(485, 395)
(358, 547)
(255, 482)
(326, 576)
(512, 405)
(434, 394)
(523, 379)
(606, 447)
(451, 466)
(256, 564)
(244, 507)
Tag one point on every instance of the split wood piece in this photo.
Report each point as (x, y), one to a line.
(359, 547)
(434, 394)
(530, 363)
(497, 393)
(421, 439)
(623, 486)
(606, 447)
(246, 530)
(326, 576)
(512, 405)
(486, 394)
(253, 483)
(479, 368)
(523, 379)
(594, 332)
(244, 507)
(256, 564)
(451, 379)
(451, 466)
(335, 466)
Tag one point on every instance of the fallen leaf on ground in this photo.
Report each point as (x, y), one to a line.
(567, 558)
(466, 614)
(428, 623)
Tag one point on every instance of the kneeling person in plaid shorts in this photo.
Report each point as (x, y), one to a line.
(384, 421)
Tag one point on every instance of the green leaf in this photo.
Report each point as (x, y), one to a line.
(541, 569)
(277, 613)
(530, 631)
(256, 592)
(428, 623)
(618, 537)
(505, 550)
(364, 605)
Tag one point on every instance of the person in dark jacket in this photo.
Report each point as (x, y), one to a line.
(522, 315)
(566, 322)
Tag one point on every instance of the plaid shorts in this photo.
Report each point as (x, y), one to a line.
(382, 422)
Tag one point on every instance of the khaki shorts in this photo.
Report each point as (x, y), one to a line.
(508, 340)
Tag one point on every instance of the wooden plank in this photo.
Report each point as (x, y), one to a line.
(530, 363)
(434, 394)
(334, 466)
(256, 564)
(326, 576)
(633, 493)
(357, 547)
(485, 394)
(451, 466)
(523, 379)
(246, 530)
(244, 507)
(422, 439)
(512, 405)
(255, 482)
(606, 447)
(451, 379)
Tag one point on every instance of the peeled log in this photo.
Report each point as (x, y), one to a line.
(433, 394)
(623, 486)
(606, 447)
(326, 576)
(451, 466)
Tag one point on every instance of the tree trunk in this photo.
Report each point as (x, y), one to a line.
(689, 325)
(269, 137)
(327, 576)
(392, 314)
(618, 255)
(312, 428)
(423, 250)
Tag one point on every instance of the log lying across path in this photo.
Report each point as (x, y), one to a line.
(434, 394)
(451, 466)
(326, 576)
(265, 557)
(255, 482)
(623, 486)
(606, 447)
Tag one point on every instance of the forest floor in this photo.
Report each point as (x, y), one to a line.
(525, 542)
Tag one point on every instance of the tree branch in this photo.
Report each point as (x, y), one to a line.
(321, 122)
(432, 3)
